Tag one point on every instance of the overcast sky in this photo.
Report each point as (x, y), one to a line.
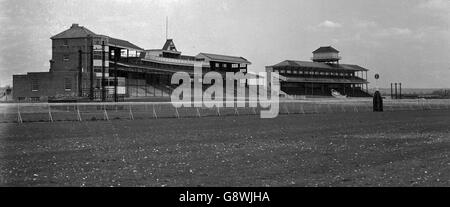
(404, 41)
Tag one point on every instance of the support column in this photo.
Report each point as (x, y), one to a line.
(305, 85)
(392, 92)
(103, 73)
(116, 99)
(80, 73)
(395, 90)
(91, 89)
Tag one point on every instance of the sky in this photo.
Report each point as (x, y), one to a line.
(405, 41)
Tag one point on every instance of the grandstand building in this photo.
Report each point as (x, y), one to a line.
(89, 66)
(322, 76)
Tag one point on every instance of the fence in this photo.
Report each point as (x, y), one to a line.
(51, 112)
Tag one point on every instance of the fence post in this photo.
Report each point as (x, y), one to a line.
(302, 110)
(176, 112)
(198, 112)
(218, 111)
(19, 117)
(287, 109)
(105, 113)
(342, 107)
(50, 113)
(154, 112)
(78, 113)
(236, 112)
(131, 112)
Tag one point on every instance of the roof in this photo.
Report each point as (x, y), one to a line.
(224, 58)
(325, 49)
(169, 43)
(123, 43)
(75, 31)
(319, 65)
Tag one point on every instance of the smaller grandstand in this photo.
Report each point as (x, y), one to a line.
(322, 76)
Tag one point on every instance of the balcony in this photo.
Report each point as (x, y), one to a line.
(326, 58)
(174, 61)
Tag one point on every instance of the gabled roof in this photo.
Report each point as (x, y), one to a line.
(169, 44)
(224, 58)
(325, 49)
(319, 65)
(75, 31)
(123, 43)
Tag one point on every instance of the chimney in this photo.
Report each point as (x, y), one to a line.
(74, 25)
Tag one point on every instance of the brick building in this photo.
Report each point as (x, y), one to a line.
(90, 66)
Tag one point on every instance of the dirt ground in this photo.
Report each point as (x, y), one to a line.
(403, 148)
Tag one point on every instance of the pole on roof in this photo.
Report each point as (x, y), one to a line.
(80, 73)
(167, 28)
(400, 91)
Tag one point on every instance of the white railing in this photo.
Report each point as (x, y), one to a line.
(50, 112)
(173, 60)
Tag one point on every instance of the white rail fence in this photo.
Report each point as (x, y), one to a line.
(51, 112)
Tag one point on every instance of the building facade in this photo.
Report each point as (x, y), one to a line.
(89, 66)
(322, 76)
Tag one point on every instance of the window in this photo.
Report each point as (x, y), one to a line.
(295, 71)
(97, 69)
(97, 57)
(34, 99)
(34, 84)
(288, 71)
(67, 84)
(217, 65)
(281, 71)
(65, 42)
(224, 65)
(66, 57)
(243, 65)
(235, 66)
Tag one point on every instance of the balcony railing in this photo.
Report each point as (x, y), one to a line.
(174, 60)
(327, 58)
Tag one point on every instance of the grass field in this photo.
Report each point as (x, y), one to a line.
(395, 148)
